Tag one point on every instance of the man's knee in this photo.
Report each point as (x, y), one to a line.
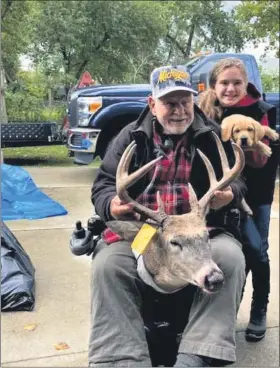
(227, 253)
(113, 261)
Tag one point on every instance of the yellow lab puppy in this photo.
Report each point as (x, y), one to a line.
(247, 133)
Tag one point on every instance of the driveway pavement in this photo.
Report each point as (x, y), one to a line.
(61, 312)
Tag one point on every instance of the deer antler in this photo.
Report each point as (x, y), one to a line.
(123, 181)
(228, 174)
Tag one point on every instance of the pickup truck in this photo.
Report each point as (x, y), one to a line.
(97, 113)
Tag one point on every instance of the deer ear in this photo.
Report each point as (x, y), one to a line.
(126, 229)
(259, 131)
(226, 129)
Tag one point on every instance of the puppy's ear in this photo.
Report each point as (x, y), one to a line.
(226, 129)
(259, 132)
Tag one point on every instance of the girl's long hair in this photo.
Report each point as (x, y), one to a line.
(207, 100)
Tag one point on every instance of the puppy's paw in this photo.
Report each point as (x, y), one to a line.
(274, 136)
(265, 150)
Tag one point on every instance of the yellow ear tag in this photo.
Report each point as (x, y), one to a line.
(143, 238)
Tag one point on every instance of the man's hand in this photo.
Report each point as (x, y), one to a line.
(221, 198)
(121, 211)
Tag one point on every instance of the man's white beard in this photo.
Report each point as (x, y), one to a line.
(176, 130)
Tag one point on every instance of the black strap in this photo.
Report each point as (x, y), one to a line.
(271, 112)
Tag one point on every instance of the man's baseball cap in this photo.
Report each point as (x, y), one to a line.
(167, 79)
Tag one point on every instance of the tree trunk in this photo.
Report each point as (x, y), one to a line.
(189, 43)
(50, 97)
(3, 112)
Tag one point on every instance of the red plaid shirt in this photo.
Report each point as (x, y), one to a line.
(170, 177)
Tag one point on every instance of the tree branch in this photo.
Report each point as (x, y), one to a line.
(189, 43)
(66, 58)
(6, 10)
(106, 37)
(8, 78)
(81, 68)
(180, 48)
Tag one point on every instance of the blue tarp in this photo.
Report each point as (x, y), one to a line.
(21, 199)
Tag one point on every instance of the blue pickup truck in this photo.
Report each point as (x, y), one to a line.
(97, 114)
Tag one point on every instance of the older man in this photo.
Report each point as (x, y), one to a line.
(171, 126)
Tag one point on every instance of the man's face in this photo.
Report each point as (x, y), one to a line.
(175, 111)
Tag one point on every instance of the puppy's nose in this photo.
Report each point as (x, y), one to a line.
(243, 141)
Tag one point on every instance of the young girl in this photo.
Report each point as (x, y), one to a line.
(230, 93)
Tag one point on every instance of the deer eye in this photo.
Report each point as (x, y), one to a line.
(174, 243)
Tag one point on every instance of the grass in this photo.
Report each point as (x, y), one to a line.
(43, 156)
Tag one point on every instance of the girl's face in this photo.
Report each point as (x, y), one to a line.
(230, 87)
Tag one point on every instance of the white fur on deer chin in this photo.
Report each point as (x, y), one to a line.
(146, 276)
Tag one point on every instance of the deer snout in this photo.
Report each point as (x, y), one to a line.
(209, 278)
(213, 281)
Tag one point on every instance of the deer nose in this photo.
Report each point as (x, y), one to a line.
(243, 141)
(213, 281)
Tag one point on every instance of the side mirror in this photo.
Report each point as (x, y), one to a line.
(203, 82)
(200, 82)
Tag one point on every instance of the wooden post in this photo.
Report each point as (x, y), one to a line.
(3, 112)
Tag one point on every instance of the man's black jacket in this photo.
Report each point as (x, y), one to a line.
(199, 136)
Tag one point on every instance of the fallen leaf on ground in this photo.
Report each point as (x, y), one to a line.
(61, 346)
(30, 327)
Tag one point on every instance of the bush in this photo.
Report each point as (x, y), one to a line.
(26, 99)
(23, 107)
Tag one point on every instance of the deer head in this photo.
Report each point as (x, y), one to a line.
(179, 253)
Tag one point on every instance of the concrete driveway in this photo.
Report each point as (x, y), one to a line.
(62, 311)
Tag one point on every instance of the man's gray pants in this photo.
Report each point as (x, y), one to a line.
(117, 335)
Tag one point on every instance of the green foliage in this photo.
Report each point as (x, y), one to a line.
(96, 35)
(200, 25)
(25, 108)
(270, 80)
(25, 99)
(119, 43)
(17, 19)
(116, 41)
(259, 21)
